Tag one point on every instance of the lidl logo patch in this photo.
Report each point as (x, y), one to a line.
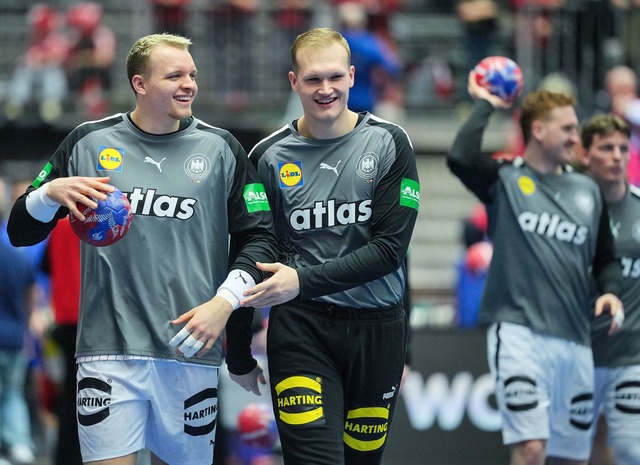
(110, 159)
(290, 174)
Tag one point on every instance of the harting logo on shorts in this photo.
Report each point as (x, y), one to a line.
(299, 400)
(200, 412)
(627, 397)
(520, 393)
(94, 398)
(581, 411)
(366, 428)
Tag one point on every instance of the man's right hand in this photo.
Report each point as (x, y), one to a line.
(79, 189)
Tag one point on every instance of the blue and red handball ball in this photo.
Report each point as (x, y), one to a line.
(257, 426)
(501, 76)
(105, 225)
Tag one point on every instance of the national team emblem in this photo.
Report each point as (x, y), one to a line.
(197, 167)
(367, 166)
(584, 202)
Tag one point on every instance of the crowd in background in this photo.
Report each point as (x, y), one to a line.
(425, 63)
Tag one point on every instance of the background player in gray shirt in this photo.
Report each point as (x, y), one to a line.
(605, 153)
(551, 235)
(344, 191)
(191, 187)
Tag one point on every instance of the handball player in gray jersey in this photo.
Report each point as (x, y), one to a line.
(605, 153)
(552, 240)
(154, 304)
(344, 193)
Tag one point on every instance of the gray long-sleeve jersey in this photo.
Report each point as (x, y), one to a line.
(623, 348)
(345, 209)
(551, 236)
(189, 191)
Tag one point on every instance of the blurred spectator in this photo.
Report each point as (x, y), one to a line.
(39, 75)
(17, 302)
(377, 67)
(628, 16)
(92, 53)
(290, 18)
(532, 29)
(62, 263)
(231, 42)
(170, 16)
(472, 267)
(479, 20)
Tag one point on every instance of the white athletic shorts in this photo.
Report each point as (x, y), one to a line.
(167, 406)
(544, 389)
(617, 394)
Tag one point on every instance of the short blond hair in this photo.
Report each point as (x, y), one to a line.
(316, 38)
(138, 57)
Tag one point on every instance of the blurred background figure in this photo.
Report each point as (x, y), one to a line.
(91, 56)
(62, 263)
(171, 16)
(231, 34)
(18, 297)
(479, 20)
(377, 66)
(39, 76)
(471, 269)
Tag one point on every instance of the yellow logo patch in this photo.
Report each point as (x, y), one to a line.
(299, 400)
(110, 159)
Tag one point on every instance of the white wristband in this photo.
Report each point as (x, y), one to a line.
(40, 206)
(232, 288)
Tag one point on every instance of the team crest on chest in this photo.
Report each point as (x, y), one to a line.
(197, 167)
(584, 202)
(367, 166)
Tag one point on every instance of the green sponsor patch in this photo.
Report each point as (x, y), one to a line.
(42, 175)
(256, 198)
(410, 193)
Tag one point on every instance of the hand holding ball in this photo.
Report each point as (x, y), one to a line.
(501, 76)
(105, 225)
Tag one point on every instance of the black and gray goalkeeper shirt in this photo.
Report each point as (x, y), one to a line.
(344, 209)
(189, 191)
(551, 233)
(623, 348)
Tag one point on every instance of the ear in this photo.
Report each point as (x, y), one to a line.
(137, 82)
(293, 80)
(582, 155)
(352, 75)
(537, 129)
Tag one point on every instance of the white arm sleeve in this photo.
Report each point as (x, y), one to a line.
(40, 206)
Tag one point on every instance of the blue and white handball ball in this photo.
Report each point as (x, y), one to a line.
(501, 76)
(105, 225)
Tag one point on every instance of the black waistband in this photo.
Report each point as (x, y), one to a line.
(346, 313)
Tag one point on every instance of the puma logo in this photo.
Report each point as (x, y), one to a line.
(153, 162)
(324, 166)
(241, 277)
